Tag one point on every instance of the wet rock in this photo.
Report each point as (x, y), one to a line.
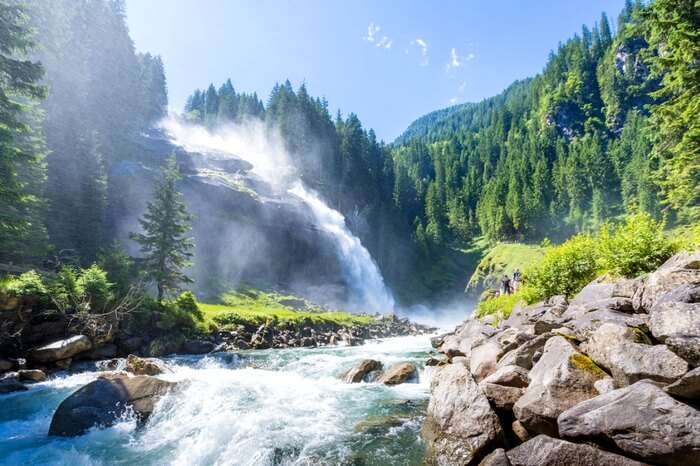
(496, 458)
(619, 349)
(198, 346)
(547, 451)
(523, 355)
(561, 378)
(64, 363)
(31, 375)
(677, 324)
(681, 269)
(687, 386)
(145, 366)
(106, 351)
(105, 400)
(61, 349)
(399, 373)
(10, 383)
(641, 420)
(460, 425)
(359, 372)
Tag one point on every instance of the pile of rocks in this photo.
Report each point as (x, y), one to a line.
(609, 378)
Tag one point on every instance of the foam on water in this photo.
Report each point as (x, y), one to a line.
(252, 408)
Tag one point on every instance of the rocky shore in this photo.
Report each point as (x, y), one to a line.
(610, 377)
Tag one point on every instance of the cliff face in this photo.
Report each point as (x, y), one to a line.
(611, 377)
(245, 230)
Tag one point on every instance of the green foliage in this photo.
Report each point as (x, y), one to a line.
(119, 267)
(28, 284)
(187, 302)
(499, 306)
(503, 259)
(93, 285)
(164, 243)
(635, 247)
(565, 269)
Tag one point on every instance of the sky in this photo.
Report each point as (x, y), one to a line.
(387, 61)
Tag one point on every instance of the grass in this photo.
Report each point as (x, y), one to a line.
(504, 258)
(500, 306)
(253, 307)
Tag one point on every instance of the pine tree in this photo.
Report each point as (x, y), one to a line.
(166, 248)
(21, 148)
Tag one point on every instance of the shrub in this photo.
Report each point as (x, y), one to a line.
(28, 284)
(187, 302)
(63, 287)
(564, 269)
(94, 286)
(635, 247)
(500, 306)
(119, 266)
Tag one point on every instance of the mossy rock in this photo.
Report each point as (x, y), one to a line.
(583, 362)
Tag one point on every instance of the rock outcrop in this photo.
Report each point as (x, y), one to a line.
(105, 400)
(611, 377)
(61, 349)
(361, 371)
(145, 366)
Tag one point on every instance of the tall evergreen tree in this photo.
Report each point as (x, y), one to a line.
(164, 241)
(22, 233)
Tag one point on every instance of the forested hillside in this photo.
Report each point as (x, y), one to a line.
(609, 127)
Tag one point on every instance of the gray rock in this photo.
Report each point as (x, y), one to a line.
(617, 348)
(605, 385)
(678, 325)
(687, 386)
(460, 427)
(496, 458)
(511, 338)
(584, 324)
(547, 451)
(145, 366)
(359, 372)
(681, 269)
(436, 361)
(103, 402)
(61, 349)
(399, 373)
(641, 420)
(31, 375)
(509, 376)
(561, 378)
(502, 398)
(522, 356)
(10, 383)
(470, 335)
(595, 291)
(520, 431)
(107, 351)
(483, 359)
(198, 347)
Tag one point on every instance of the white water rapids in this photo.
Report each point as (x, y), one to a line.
(272, 407)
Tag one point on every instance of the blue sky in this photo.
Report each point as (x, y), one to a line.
(388, 61)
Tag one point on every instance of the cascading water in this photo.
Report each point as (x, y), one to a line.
(362, 274)
(252, 408)
(258, 145)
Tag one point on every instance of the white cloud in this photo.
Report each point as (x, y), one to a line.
(423, 50)
(470, 57)
(372, 30)
(460, 93)
(457, 61)
(384, 43)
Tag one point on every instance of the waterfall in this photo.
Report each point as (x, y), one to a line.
(369, 293)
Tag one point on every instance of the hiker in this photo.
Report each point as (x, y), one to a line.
(505, 285)
(517, 277)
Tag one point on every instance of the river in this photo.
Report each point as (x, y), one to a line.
(270, 407)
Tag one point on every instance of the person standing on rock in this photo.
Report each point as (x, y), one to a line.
(517, 276)
(505, 285)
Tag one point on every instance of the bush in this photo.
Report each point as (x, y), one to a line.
(564, 269)
(187, 302)
(94, 286)
(119, 266)
(635, 247)
(28, 284)
(64, 287)
(500, 306)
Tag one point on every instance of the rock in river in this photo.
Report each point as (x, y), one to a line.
(103, 402)
(399, 373)
(359, 372)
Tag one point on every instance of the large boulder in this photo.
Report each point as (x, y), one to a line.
(399, 373)
(523, 355)
(641, 420)
(677, 324)
(560, 379)
(681, 269)
(145, 366)
(460, 427)
(469, 335)
(361, 370)
(687, 386)
(547, 451)
(483, 359)
(625, 352)
(496, 458)
(61, 349)
(31, 375)
(104, 401)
